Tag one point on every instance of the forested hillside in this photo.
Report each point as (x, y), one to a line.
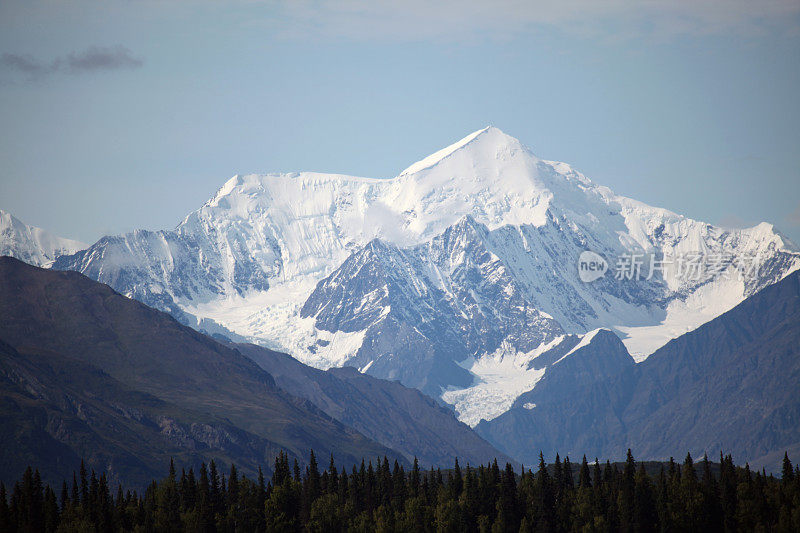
(382, 497)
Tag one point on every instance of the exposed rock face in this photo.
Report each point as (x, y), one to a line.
(730, 385)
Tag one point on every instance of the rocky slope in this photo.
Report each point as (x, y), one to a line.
(730, 385)
(56, 411)
(87, 372)
(399, 417)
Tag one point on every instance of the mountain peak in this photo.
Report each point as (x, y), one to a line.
(225, 190)
(31, 244)
(493, 137)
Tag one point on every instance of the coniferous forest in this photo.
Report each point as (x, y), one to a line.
(383, 497)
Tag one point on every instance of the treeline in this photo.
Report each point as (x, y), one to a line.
(384, 497)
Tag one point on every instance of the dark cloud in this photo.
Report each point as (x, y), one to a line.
(97, 58)
(25, 64)
(93, 59)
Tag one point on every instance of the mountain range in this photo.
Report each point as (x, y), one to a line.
(508, 288)
(450, 277)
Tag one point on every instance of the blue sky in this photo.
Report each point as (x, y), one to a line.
(122, 115)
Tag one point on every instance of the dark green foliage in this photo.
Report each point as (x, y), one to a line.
(379, 497)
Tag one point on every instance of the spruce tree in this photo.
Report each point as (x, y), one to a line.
(415, 479)
(645, 515)
(507, 502)
(584, 478)
(545, 506)
(75, 499)
(787, 473)
(5, 515)
(625, 500)
(50, 510)
(313, 482)
(215, 489)
(64, 498)
(398, 486)
(344, 486)
(206, 505)
(558, 478)
(569, 482)
(728, 492)
(297, 473)
(84, 489)
(458, 481)
(190, 494)
(233, 487)
(712, 510)
(333, 477)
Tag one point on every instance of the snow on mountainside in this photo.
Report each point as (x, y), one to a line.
(448, 277)
(33, 245)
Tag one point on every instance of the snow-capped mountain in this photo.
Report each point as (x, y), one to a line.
(33, 245)
(452, 276)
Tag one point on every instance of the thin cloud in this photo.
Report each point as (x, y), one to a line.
(459, 19)
(793, 218)
(93, 59)
(734, 221)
